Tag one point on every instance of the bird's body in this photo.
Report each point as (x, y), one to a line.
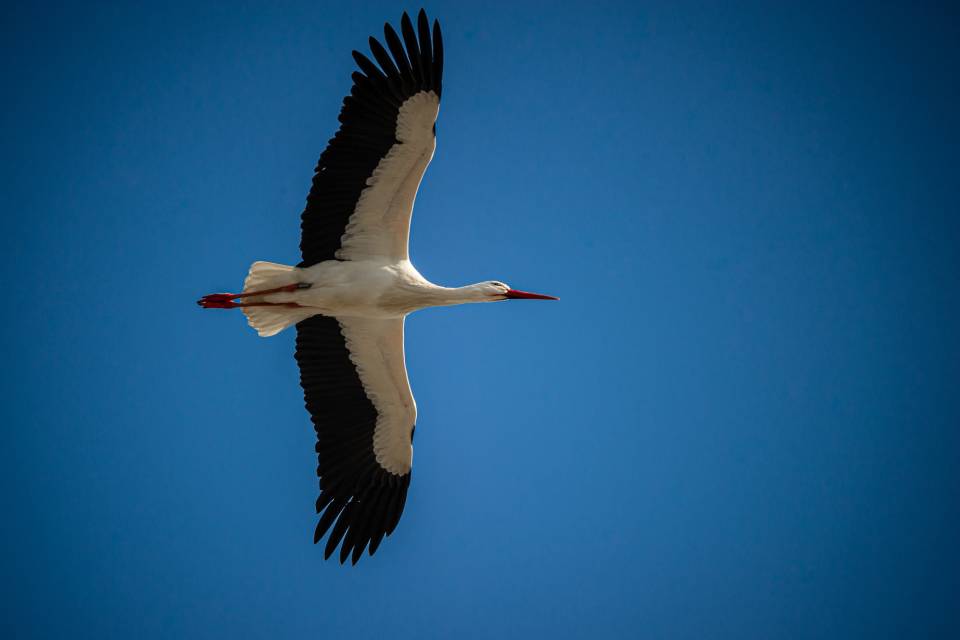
(351, 292)
(365, 288)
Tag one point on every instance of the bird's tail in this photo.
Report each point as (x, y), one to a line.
(271, 320)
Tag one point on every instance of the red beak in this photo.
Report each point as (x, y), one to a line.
(524, 295)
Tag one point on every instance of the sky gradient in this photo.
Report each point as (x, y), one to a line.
(740, 421)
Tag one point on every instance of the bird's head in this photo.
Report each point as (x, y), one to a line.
(494, 290)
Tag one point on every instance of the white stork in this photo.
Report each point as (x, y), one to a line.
(355, 285)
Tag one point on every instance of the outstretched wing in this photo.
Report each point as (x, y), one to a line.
(367, 178)
(355, 384)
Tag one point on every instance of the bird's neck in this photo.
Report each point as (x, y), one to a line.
(437, 296)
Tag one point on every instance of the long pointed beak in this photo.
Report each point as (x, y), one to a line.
(524, 295)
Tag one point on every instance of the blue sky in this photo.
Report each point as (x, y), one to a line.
(739, 422)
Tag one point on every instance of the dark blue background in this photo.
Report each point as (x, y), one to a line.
(741, 421)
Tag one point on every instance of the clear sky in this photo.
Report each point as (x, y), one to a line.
(740, 421)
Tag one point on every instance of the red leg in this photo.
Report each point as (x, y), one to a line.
(225, 300)
(285, 289)
(292, 305)
(220, 303)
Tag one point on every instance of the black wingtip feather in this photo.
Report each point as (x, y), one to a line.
(383, 58)
(437, 58)
(400, 57)
(333, 510)
(426, 50)
(339, 529)
(413, 50)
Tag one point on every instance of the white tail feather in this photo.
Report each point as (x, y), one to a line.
(269, 321)
(268, 275)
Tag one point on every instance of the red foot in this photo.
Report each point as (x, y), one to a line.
(226, 300)
(218, 301)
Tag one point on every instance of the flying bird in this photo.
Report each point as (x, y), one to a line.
(355, 285)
